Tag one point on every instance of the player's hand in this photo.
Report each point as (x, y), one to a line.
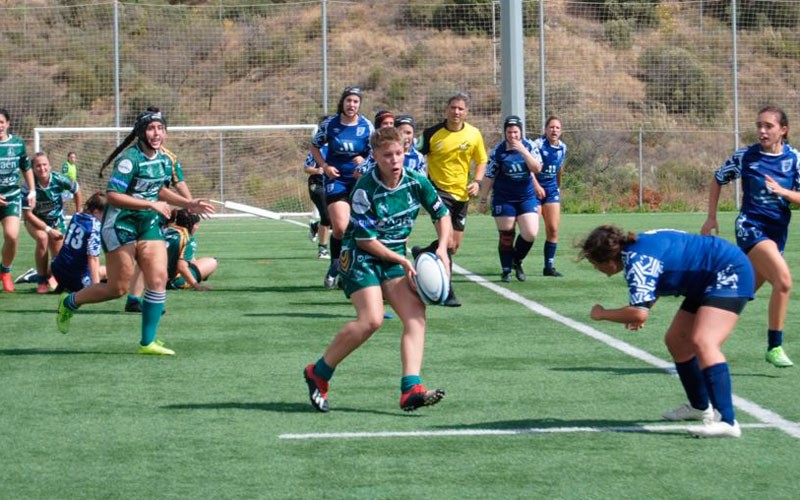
(55, 234)
(162, 207)
(358, 160)
(540, 192)
(331, 172)
(3, 202)
(709, 226)
(408, 266)
(201, 207)
(201, 287)
(772, 186)
(442, 254)
(473, 188)
(634, 325)
(597, 312)
(32, 199)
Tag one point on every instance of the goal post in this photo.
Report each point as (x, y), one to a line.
(259, 165)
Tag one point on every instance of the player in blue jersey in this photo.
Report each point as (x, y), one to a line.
(45, 222)
(347, 135)
(13, 161)
(717, 281)
(770, 173)
(137, 208)
(553, 152)
(318, 230)
(386, 201)
(414, 160)
(77, 264)
(509, 175)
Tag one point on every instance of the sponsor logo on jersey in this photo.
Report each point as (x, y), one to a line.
(125, 166)
(360, 202)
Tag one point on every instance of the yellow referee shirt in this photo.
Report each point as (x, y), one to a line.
(449, 156)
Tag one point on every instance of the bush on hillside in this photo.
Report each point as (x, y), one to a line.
(463, 16)
(757, 14)
(675, 78)
(638, 13)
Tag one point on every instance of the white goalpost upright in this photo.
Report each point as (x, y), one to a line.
(252, 165)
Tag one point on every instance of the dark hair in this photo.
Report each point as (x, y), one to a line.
(143, 119)
(380, 116)
(97, 201)
(604, 244)
(346, 92)
(184, 218)
(383, 135)
(551, 118)
(4, 112)
(405, 120)
(783, 120)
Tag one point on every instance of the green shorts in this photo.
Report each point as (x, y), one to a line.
(359, 269)
(121, 227)
(13, 209)
(179, 282)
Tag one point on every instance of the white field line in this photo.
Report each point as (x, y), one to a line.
(498, 432)
(762, 414)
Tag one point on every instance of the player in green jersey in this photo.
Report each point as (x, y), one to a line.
(186, 270)
(13, 160)
(45, 222)
(385, 203)
(132, 233)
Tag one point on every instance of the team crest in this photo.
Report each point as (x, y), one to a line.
(360, 131)
(786, 165)
(345, 260)
(125, 166)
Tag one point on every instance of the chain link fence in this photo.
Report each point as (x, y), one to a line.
(653, 94)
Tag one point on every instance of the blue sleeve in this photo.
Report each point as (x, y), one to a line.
(731, 169)
(642, 273)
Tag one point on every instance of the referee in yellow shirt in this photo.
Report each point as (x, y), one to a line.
(451, 148)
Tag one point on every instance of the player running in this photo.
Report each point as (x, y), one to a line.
(716, 280)
(770, 173)
(347, 135)
(509, 176)
(386, 202)
(45, 221)
(13, 160)
(137, 209)
(553, 152)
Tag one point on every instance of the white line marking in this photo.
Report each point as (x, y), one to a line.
(762, 414)
(499, 432)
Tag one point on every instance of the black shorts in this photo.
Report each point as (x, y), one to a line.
(458, 210)
(333, 198)
(316, 191)
(732, 304)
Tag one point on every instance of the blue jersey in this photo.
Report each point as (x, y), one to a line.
(311, 162)
(552, 160)
(669, 262)
(413, 161)
(82, 240)
(345, 142)
(513, 181)
(751, 164)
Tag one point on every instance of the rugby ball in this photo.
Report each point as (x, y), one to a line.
(433, 283)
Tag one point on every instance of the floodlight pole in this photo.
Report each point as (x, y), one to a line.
(512, 44)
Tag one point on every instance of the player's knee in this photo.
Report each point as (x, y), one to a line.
(507, 240)
(783, 283)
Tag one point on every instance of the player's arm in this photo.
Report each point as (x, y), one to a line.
(78, 197)
(382, 252)
(787, 194)
(193, 205)
(185, 270)
(488, 183)
(633, 317)
(711, 225)
(183, 189)
(477, 180)
(94, 268)
(444, 231)
(31, 182)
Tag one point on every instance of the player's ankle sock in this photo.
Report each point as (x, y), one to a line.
(549, 253)
(774, 338)
(132, 299)
(152, 307)
(718, 385)
(5, 269)
(70, 304)
(409, 381)
(693, 383)
(41, 279)
(323, 370)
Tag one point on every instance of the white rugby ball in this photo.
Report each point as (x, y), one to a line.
(433, 284)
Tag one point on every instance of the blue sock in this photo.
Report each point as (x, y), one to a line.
(549, 254)
(521, 248)
(774, 338)
(152, 307)
(323, 370)
(718, 385)
(69, 302)
(693, 383)
(409, 381)
(41, 279)
(5, 269)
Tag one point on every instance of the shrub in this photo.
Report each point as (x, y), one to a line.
(675, 78)
(619, 33)
(638, 13)
(758, 14)
(463, 16)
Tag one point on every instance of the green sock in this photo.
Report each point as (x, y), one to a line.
(152, 307)
(409, 381)
(133, 299)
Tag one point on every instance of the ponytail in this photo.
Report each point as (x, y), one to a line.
(124, 144)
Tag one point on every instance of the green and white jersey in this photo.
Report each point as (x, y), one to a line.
(13, 159)
(180, 246)
(388, 214)
(139, 176)
(177, 168)
(49, 200)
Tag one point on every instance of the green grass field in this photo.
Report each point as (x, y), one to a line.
(534, 407)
